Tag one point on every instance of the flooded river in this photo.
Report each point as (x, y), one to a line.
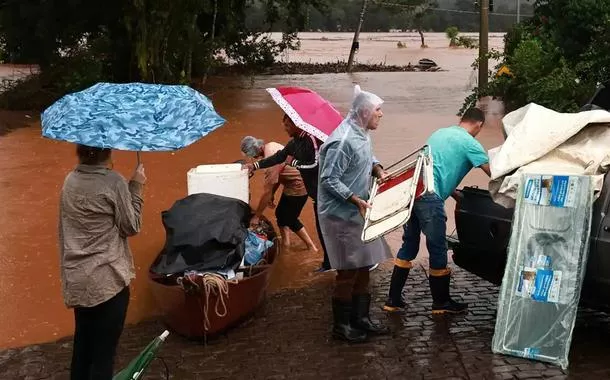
(32, 169)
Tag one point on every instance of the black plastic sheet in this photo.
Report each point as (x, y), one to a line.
(205, 233)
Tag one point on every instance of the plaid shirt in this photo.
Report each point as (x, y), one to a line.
(98, 211)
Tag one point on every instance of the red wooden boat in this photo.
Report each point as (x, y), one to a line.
(204, 311)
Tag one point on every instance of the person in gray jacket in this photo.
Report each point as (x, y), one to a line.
(98, 211)
(347, 165)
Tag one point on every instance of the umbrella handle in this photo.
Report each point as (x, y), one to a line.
(138, 157)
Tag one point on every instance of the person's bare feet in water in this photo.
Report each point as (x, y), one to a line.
(312, 248)
(303, 248)
(304, 236)
(285, 231)
(285, 247)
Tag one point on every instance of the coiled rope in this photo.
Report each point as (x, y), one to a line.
(213, 284)
(216, 284)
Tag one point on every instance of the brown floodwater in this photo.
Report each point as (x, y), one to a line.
(32, 170)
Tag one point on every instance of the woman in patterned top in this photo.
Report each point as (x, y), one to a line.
(294, 194)
(301, 152)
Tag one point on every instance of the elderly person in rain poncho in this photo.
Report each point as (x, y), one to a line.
(346, 166)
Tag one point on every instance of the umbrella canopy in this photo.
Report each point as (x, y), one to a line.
(308, 110)
(136, 367)
(132, 116)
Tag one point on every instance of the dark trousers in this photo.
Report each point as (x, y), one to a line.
(351, 282)
(288, 211)
(326, 262)
(96, 337)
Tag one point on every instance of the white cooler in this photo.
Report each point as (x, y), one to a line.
(228, 180)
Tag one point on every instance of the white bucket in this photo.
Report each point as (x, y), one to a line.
(228, 180)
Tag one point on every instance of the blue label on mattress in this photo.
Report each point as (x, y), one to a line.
(533, 191)
(528, 188)
(543, 261)
(542, 285)
(559, 191)
(548, 190)
(531, 353)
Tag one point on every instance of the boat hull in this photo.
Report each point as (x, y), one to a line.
(185, 313)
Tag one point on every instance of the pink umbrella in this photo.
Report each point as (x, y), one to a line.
(308, 110)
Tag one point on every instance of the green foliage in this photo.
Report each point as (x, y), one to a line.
(452, 33)
(3, 53)
(77, 69)
(455, 40)
(259, 50)
(556, 59)
(467, 42)
(79, 42)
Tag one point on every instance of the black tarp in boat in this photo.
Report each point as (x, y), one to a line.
(204, 232)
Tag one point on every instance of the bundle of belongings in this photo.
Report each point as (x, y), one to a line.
(550, 169)
(208, 233)
(543, 141)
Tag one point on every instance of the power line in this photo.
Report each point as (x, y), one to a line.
(406, 6)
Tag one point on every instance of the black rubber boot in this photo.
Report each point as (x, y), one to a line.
(360, 318)
(397, 283)
(342, 328)
(441, 301)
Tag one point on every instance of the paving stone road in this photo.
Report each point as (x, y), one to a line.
(289, 339)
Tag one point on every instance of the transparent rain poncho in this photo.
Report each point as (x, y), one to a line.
(363, 107)
(346, 159)
(346, 165)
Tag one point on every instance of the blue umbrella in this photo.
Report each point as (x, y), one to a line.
(132, 116)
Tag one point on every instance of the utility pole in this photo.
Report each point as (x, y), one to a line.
(483, 43)
(518, 10)
(355, 43)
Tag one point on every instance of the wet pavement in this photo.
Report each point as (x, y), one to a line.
(288, 338)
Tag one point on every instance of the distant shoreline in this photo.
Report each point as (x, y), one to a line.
(304, 68)
(9, 72)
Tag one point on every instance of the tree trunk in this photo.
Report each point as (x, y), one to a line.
(189, 60)
(355, 43)
(213, 36)
(421, 35)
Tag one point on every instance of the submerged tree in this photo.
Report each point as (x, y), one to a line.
(452, 33)
(413, 14)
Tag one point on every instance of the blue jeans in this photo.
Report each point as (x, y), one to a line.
(427, 217)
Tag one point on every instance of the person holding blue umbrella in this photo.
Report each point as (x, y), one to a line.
(99, 209)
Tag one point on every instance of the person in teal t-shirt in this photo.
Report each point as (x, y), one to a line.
(455, 151)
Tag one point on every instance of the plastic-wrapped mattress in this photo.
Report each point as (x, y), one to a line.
(546, 265)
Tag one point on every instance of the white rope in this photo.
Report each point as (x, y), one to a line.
(219, 286)
(216, 284)
(212, 283)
